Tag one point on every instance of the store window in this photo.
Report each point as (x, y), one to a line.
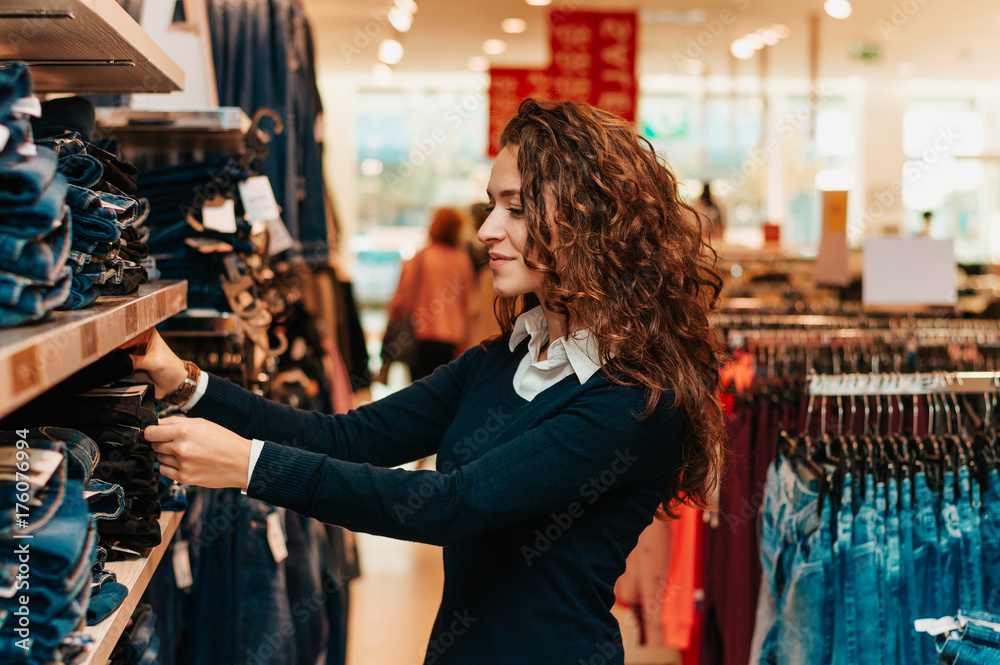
(417, 150)
(943, 141)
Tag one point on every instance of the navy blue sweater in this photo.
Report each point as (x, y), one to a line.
(537, 504)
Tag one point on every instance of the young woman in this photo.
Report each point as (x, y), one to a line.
(556, 443)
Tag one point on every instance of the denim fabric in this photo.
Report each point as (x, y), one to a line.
(20, 134)
(956, 651)
(845, 643)
(129, 283)
(42, 258)
(984, 635)
(81, 170)
(990, 529)
(909, 584)
(88, 205)
(953, 557)
(235, 616)
(108, 500)
(927, 561)
(82, 293)
(22, 299)
(65, 144)
(22, 182)
(971, 572)
(865, 563)
(105, 602)
(892, 607)
(15, 84)
(37, 218)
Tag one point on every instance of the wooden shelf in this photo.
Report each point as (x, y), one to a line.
(134, 574)
(210, 130)
(34, 358)
(84, 46)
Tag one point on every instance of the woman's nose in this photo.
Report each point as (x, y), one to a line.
(491, 230)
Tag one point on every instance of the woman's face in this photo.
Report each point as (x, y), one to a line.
(504, 232)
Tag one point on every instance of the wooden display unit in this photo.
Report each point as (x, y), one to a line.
(85, 46)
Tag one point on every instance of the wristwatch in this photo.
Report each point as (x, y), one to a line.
(185, 391)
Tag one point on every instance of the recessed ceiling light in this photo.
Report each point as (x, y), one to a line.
(769, 36)
(741, 49)
(390, 52)
(408, 6)
(513, 26)
(782, 30)
(539, 3)
(400, 19)
(754, 40)
(478, 63)
(838, 8)
(494, 46)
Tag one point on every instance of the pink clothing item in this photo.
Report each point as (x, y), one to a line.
(435, 287)
(341, 391)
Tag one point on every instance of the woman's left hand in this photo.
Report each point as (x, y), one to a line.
(195, 451)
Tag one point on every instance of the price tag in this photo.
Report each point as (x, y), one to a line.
(258, 199)
(280, 238)
(4, 135)
(182, 565)
(28, 106)
(221, 218)
(276, 537)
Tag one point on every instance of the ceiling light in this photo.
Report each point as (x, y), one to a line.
(494, 46)
(782, 30)
(400, 19)
(382, 74)
(769, 36)
(390, 52)
(371, 166)
(513, 26)
(408, 6)
(478, 64)
(754, 40)
(837, 8)
(741, 49)
(539, 3)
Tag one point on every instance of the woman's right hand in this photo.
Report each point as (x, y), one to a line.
(152, 357)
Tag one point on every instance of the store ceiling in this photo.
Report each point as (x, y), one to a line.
(925, 39)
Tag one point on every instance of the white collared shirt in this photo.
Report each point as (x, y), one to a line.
(574, 354)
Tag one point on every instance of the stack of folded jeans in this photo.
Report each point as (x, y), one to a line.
(115, 418)
(109, 254)
(47, 548)
(971, 638)
(139, 644)
(34, 227)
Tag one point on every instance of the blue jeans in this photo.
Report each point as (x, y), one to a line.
(927, 561)
(953, 557)
(15, 84)
(864, 561)
(990, 530)
(845, 620)
(23, 181)
(24, 299)
(42, 259)
(971, 573)
(38, 217)
(893, 607)
(909, 584)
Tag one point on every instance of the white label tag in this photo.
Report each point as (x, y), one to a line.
(111, 206)
(276, 537)
(4, 135)
(27, 150)
(258, 199)
(28, 106)
(221, 218)
(280, 238)
(182, 565)
(936, 626)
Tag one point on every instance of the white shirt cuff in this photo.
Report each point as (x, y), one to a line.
(198, 392)
(256, 446)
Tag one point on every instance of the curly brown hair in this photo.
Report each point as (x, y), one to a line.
(623, 256)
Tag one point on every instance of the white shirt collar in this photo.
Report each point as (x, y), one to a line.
(580, 348)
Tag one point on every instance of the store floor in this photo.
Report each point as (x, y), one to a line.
(394, 601)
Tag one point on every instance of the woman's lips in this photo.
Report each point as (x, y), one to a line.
(497, 261)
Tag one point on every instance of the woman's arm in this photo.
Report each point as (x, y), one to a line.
(403, 427)
(545, 469)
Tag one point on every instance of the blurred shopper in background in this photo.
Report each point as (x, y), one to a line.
(434, 291)
(712, 224)
(482, 319)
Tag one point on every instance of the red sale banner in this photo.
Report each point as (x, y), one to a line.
(593, 59)
(508, 88)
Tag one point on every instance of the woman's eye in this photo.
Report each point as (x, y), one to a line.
(516, 212)
(489, 210)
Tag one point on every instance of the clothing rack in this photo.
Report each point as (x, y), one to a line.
(846, 336)
(859, 385)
